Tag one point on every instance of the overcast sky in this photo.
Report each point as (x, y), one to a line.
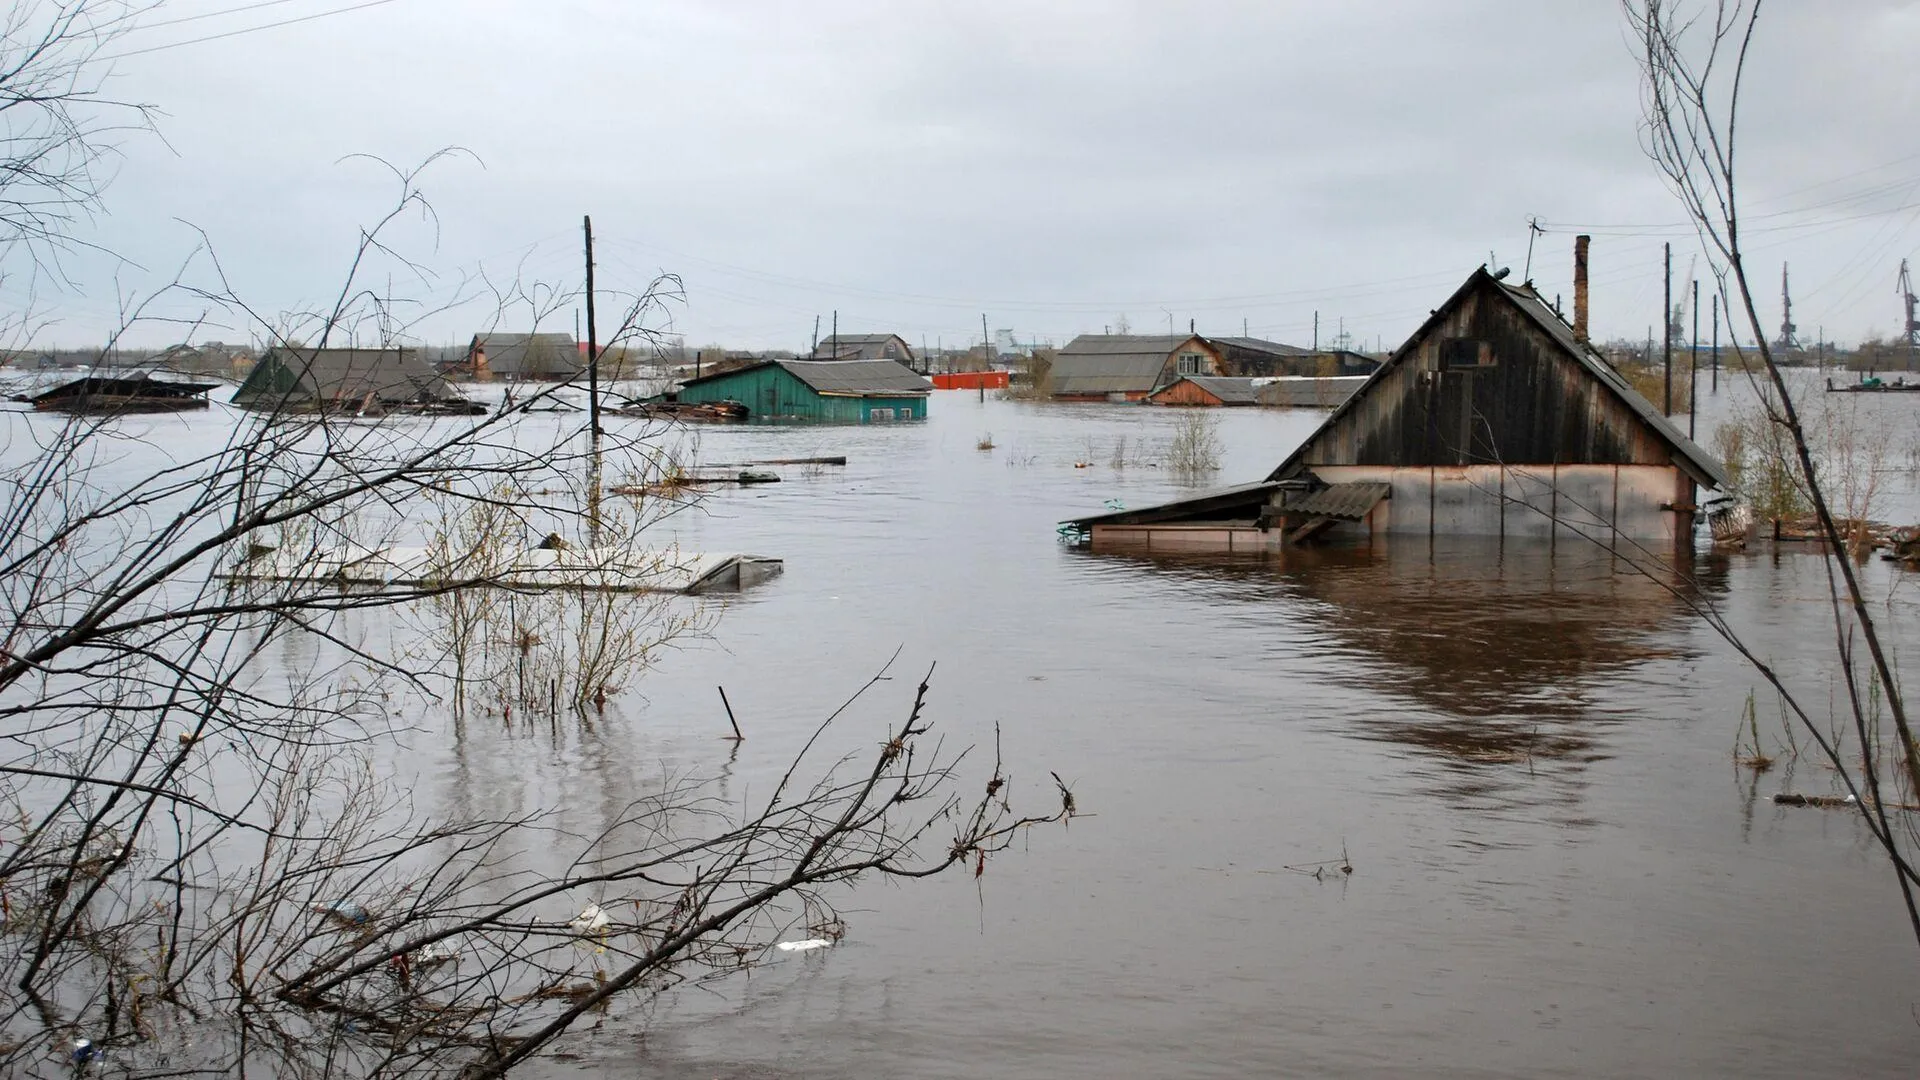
(1055, 165)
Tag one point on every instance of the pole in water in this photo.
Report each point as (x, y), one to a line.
(593, 343)
(986, 355)
(737, 737)
(1716, 342)
(1666, 339)
(1693, 364)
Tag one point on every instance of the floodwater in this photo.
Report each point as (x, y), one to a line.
(1527, 759)
(1557, 869)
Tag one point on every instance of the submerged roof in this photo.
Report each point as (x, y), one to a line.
(1697, 463)
(510, 354)
(1113, 363)
(847, 378)
(1231, 390)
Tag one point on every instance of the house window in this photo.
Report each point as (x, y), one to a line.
(1458, 354)
(1192, 363)
(880, 416)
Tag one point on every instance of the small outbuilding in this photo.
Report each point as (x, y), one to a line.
(1207, 391)
(364, 381)
(1494, 419)
(1127, 367)
(820, 391)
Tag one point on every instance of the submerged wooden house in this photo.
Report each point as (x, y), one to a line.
(362, 381)
(1207, 391)
(1127, 367)
(1494, 419)
(839, 346)
(522, 358)
(96, 395)
(819, 391)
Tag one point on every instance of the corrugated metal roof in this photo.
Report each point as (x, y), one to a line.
(1113, 363)
(1347, 502)
(861, 378)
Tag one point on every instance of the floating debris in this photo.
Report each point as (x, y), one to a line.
(591, 920)
(345, 912)
(804, 945)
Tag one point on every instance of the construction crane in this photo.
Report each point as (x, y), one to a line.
(1788, 342)
(1905, 288)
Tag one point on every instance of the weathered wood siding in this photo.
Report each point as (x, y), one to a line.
(1556, 502)
(1530, 404)
(1185, 392)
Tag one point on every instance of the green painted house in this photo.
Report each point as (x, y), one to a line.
(825, 391)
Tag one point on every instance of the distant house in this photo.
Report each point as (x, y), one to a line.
(1210, 391)
(1127, 367)
(864, 347)
(829, 391)
(299, 379)
(1494, 419)
(523, 358)
(1308, 391)
(210, 358)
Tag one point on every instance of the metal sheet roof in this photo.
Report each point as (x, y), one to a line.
(1347, 502)
(1229, 389)
(1231, 497)
(861, 378)
(1255, 344)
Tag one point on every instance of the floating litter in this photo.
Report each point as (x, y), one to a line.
(804, 945)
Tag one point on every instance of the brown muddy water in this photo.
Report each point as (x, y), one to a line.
(1557, 869)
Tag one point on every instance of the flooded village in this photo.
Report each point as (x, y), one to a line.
(1037, 624)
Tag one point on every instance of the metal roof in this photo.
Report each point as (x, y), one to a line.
(346, 375)
(859, 378)
(1230, 390)
(1347, 502)
(1113, 363)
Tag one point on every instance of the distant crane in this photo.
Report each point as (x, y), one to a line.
(1905, 289)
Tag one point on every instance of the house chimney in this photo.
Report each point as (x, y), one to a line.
(1580, 287)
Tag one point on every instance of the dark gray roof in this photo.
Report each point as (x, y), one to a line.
(1232, 497)
(1229, 389)
(858, 378)
(1112, 363)
(529, 354)
(1255, 344)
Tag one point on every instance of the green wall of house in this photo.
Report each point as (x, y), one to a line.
(773, 393)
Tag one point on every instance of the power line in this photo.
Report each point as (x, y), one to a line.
(248, 30)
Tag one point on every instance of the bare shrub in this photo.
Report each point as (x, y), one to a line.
(1195, 446)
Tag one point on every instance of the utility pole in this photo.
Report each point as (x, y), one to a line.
(1693, 364)
(1243, 328)
(1716, 343)
(1913, 325)
(1316, 331)
(813, 351)
(833, 352)
(1666, 319)
(986, 355)
(593, 341)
